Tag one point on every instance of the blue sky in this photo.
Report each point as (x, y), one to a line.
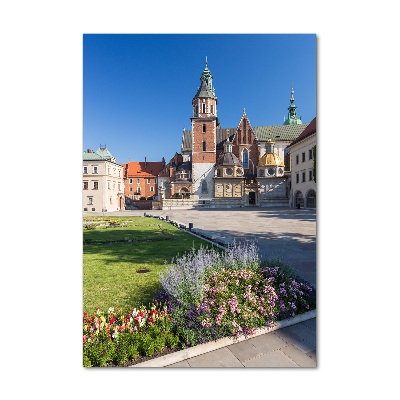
(138, 88)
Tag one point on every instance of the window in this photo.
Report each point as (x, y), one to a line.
(204, 188)
(130, 180)
(297, 178)
(90, 200)
(95, 170)
(310, 154)
(148, 180)
(204, 145)
(212, 109)
(310, 177)
(110, 200)
(151, 188)
(245, 159)
(138, 181)
(204, 108)
(95, 185)
(297, 158)
(119, 186)
(130, 189)
(85, 185)
(85, 170)
(204, 128)
(303, 157)
(303, 176)
(138, 189)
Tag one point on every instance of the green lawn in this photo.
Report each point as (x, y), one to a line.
(109, 269)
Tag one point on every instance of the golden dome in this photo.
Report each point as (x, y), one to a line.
(270, 159)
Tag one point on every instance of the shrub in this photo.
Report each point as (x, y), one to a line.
(238, 300)
(184, 280)
(295, 295)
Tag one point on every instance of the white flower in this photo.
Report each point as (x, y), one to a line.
(111, 309)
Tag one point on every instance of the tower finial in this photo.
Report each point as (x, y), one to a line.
(206, 62)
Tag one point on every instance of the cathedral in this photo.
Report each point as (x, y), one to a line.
(229, 167)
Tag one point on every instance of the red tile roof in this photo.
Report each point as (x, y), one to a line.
(309, 130)
(144, 169)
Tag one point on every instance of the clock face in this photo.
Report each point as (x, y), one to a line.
(228, 171)
(239, 172)
(271, 171)
(280, 171)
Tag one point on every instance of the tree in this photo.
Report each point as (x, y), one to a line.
(315, 163)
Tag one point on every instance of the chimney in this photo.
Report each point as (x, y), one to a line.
(145, 163)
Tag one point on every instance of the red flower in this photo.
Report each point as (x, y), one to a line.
(112, 320)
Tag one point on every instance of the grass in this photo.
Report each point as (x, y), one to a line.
(109, 267)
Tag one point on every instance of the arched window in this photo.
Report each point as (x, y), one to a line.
(204, 188)
(245, 159)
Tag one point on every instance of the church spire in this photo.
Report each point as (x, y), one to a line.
(292, 114)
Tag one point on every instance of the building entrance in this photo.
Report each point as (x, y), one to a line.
(252, 198)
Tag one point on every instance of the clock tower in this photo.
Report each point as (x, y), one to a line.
(204, 127)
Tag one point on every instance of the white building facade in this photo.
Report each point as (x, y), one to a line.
(103, 183)
(303, 192)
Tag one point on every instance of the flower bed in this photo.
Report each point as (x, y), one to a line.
(116, 338)
(206, 295)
